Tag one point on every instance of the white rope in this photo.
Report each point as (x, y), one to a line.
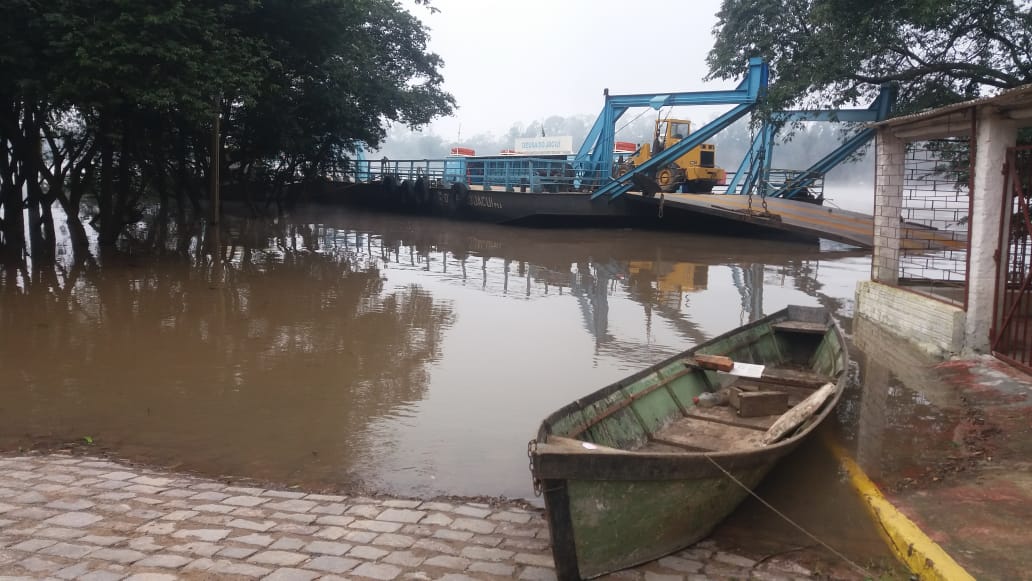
(865, 572)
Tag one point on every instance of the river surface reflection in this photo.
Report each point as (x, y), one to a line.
(401, 355)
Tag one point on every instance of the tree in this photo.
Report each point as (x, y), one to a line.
(837, 52)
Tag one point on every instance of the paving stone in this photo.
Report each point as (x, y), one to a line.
(246, 512)
(381, 571)
(287, 544)
(327, 548)
(653, 576)
(482, 527)
(236, 552)
(248, 501)
(401, 515)
(375, 526)
(334, 508)
(486, 540)
(119, 475)
(284, 494)
(359, 537)
(435, 546)
(210, 535)
(473, 511)
(404, 559)
(210, 495)
(438, 506)
(164, 561)
(298, 518)
(400, 503)
(295, 529)
(512, 517)
(33, 545)
(151, 577)
(486, 554)
(248, 490)
(180, 515)
(450, 535)
(29, 498)
(102, 540)
(38, 565)
(262, 526)
(67, 550)
(447, 562)
(254, 539)
(199, 548)
(438, 519)
(500, 569)
(67, 504)
(216, 508)
(145, 544)
(326, 497)
(74, 519)
(291, 574)
(153, 481)
(736, 560)
(337, 521)
(33, 513)
(680, 564)
(365, 511)
(157, 528)
(281, 558)
(537, 574)
(74, 572)
(111, 485)
(536, 560)
(117, 555)
(329, 564)
(144, 489)
(115, 496)
(228, 568)
(366, 552)
(395, 541)
(331, 533)
(291, 505)
(60, 533)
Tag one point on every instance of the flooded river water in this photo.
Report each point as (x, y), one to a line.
(400, 355)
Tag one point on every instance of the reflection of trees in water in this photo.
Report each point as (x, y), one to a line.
(277, 322)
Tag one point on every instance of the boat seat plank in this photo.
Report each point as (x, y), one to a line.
(725, 414)
(709, 435)
(801, 327)
(795, 377)
(795, 393)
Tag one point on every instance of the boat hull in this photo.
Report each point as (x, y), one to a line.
(610, 508)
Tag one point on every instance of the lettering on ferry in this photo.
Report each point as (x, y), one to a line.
(481, 201)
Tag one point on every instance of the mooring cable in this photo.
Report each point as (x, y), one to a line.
(865, 572)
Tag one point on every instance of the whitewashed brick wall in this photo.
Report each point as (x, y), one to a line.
(933, 326)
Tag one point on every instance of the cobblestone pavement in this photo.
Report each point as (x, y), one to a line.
(73, 517)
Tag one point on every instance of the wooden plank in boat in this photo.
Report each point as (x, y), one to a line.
(727, 415)
(801, 327)
(709, 435)
(794, 377)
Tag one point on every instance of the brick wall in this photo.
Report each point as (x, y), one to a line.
(888, 201)
(933, 326)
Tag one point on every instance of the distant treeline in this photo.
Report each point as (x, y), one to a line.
(107, 107)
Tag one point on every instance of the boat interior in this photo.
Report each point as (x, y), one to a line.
(657, 411)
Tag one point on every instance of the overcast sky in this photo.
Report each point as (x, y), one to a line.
(510, 61)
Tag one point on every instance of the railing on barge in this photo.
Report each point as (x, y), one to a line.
(522, 174)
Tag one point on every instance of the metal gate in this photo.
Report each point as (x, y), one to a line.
(1011, 333)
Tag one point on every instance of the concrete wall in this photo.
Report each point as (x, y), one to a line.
(933, 326)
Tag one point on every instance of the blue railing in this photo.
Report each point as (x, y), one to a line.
(510, 173)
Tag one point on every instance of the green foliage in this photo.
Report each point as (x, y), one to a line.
(297, 84)
(836, 52)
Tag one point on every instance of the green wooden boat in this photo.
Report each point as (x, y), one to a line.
(638, 470)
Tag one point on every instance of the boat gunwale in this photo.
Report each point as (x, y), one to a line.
(676, 465)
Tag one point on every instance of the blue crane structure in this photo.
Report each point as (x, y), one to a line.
(595, 157)
(753, 173)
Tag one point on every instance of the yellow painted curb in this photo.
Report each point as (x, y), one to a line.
(920, 554)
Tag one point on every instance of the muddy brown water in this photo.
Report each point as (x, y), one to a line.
(400, 355)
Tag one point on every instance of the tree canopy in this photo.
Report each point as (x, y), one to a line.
(108, 102)
(836, 52)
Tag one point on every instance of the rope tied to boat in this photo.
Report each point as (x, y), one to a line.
(867, 574)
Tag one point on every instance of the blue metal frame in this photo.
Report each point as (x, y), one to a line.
(595, 156)
(755, 167)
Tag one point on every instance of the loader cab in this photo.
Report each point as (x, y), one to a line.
(673, 130)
